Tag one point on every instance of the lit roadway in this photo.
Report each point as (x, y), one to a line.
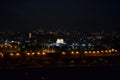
(61, 59)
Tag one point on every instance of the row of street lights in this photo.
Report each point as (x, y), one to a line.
(63, 53)
(102, 51)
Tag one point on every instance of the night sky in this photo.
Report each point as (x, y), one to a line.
(81, 15)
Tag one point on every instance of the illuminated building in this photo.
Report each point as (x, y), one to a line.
(30, 35)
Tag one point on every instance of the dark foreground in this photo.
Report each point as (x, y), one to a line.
(61, 73)
(86, 68)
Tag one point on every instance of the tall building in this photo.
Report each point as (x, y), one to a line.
(30, 35)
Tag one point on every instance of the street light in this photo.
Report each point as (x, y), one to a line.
(11, 54)
(72, 52)
(110, 51)
(77, 52)
(90, 52)
(17, 54)
(116, 51)
(43, 53)
(106, 51)
(63, 53)
(113, 49)
(85, 52)
(33, 53)
(102, 51)
(38, 53)
(28, 53)
(98, 51)
(93, 51)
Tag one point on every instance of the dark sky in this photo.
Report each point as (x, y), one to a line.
(82, 15)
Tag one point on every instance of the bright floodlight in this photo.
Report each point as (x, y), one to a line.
(60, 41)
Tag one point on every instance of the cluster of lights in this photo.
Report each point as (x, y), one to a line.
(12, 54)
(106, 51)
(33, 53)
(49, 51)
(7, 46)
(63, 53)
(74, 52)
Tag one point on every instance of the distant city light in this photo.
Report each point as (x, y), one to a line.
(85, 52)
(11, 54)
(38, 53)
(77, 52)
(116, 51)
(72, 52)
(63, 53)
(113, 49)
(17, 54)
(98, 51)
(102, 51)
(60, 41)
(94, 52)
(28, 53)
(33, 53)
(43, 53)
(90, 51)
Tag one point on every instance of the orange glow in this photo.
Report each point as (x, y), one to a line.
(38, 53)
(11, 54)
(90, 52)
(94, 52)
(85, 52)
(10, 46)
(113, 49)
(28, 53)
(1, 54)
(17, 54)
(77, 52)
(33, 53)
(72, 52)
(63, 53)
(102, 51)
(110, 51)
(43, 53)
(98, 51)
(116, 51)
(106, 51)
